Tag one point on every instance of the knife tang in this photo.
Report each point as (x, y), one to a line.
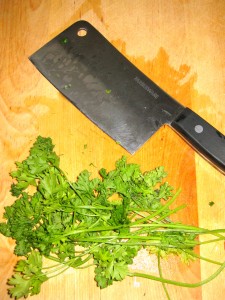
(208, 141)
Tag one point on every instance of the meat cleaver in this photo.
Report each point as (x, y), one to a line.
(85, 67)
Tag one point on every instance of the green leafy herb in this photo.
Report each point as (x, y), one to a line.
(103, 221)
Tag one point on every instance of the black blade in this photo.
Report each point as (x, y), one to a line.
(105, 86)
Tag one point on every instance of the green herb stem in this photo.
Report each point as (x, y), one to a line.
(177, 283)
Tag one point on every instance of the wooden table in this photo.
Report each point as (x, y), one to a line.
(178, 44)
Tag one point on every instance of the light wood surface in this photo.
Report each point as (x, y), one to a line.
(180, 45)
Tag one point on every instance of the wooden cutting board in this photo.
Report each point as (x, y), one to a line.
(178, 44)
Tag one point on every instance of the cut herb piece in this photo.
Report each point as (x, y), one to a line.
(102, 221)
(64, 40)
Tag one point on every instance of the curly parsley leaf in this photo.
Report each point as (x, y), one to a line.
(40, 159)
(28, 277)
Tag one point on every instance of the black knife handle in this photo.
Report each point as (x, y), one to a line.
(208, 141)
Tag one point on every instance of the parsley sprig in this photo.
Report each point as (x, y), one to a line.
(100, 221)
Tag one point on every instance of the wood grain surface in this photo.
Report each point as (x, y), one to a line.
(180, 45)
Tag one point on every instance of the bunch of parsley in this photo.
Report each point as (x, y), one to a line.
(103, 221)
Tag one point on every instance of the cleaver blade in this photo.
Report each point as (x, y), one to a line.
(94, 76)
